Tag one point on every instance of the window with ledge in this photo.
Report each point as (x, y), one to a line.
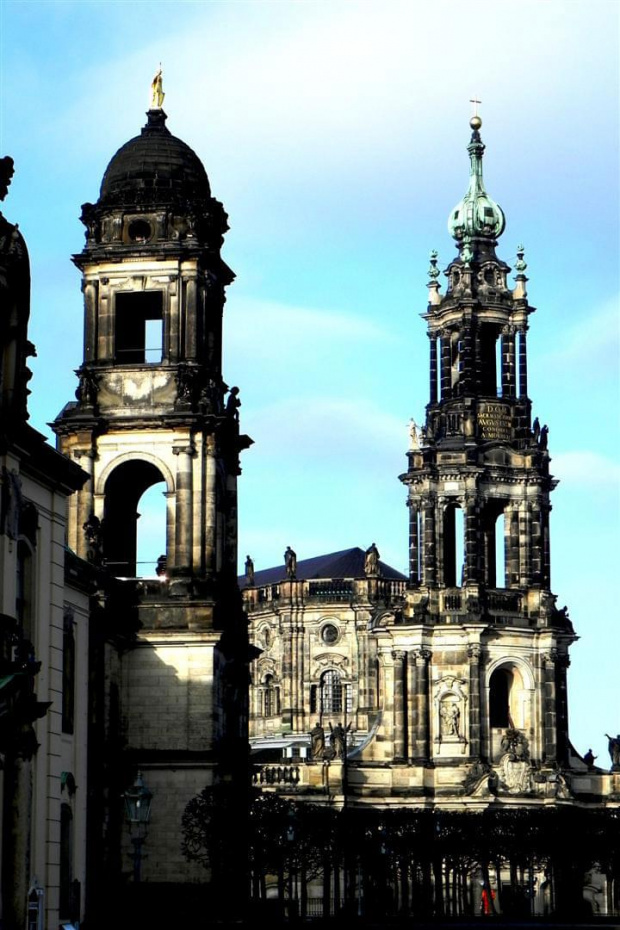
(331, 696)
(139, 328)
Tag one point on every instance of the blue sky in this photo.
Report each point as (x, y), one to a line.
(335, 134)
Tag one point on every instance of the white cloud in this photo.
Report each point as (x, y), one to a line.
(588, 470)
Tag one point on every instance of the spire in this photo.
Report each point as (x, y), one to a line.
(476, 215)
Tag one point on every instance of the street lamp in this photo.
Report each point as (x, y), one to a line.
(137, 814)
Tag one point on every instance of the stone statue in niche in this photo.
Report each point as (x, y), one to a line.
(449, 717)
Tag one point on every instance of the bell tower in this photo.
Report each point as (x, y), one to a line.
(485, 650)
(152, 408)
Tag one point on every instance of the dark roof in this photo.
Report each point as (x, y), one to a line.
(154, 167)
(348, 563)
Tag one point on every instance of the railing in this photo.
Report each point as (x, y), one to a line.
(333, 590)
(504, 601)
(276, 775)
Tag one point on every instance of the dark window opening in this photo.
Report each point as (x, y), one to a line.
(139, 328)
(494, 552)
(487, 360)
(123, 491)
(499, 698)
(68, 675)
(271, 702)
(453, 546)
(25, 589)
(66, 859)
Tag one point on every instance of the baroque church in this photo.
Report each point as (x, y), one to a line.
(334, 681)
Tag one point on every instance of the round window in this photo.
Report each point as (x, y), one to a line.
(329, 633)
(139, 231)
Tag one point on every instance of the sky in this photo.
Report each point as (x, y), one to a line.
(335, 134)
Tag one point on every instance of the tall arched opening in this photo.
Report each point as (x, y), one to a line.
(124, 490)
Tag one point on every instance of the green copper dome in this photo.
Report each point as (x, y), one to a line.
(476, 215)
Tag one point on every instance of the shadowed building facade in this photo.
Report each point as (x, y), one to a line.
(152, 407)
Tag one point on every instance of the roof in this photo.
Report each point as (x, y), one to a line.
(348, 563)
(154, 167)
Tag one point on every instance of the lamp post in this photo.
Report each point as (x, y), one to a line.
(137, 813)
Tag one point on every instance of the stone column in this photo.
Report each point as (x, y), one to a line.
(548, 706)
(422, 698)
(536, 545)
(400, 722)
(84, 501)
(185, 452)
(508, 361)
(561, 697)
(190, 319)
(467, 356)
(433, 368)
(475, 723)
(414, 543)
(512, 545)
(106, 329)
(429, 555)
(210, 495)
(522, 364)
(545, 511)
(471, 540)
(411, 706)
(525, 572)
(91, 289)
(446, 373)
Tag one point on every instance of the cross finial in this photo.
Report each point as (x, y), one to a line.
(475, 102)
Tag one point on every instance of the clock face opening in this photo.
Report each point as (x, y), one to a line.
(139, 231)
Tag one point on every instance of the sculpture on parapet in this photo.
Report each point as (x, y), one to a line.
(94, 541)
(15, 346)
(371, 560)
(337, 739)
(614, 751)
(249, 571)
(233, 403)
(290, 563)
(317, 741)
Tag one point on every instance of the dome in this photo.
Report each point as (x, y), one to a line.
(154, 168)
(476, 215)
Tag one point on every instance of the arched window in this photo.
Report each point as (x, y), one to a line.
(494, 537)
(271, 697)
(499, 698)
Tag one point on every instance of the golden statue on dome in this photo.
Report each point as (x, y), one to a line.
(157, 93)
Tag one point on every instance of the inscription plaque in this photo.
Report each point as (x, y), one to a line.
(494, 421)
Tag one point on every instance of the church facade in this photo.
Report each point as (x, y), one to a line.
(453, 682)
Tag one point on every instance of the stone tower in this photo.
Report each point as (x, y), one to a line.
(482, 676)
(152, 407)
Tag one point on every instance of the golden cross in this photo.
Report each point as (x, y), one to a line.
(475, 102)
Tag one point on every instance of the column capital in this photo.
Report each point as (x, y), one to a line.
(474, 651)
